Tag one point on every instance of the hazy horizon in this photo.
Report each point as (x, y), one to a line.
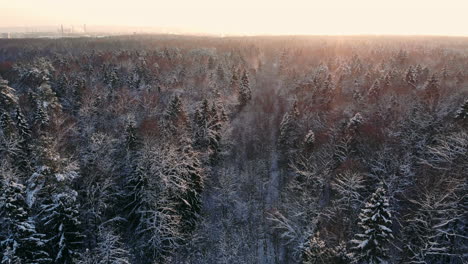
(297, 17)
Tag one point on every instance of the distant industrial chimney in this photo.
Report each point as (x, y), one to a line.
(61, 29)
(84, 28)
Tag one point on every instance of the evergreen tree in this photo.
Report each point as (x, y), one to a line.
(77, 94)
(309, 141)
(7, 125)
(22, 126)
(432, 88)
(410, 77)
(207, 124)
(41, 118)
(22, 241)
(189, 202)
(234, 84)
(462, 112)
(220, 73)
(375, 222)
(316, 251)
(374, 91)
(175, 117)
(353, 124)
(211, 63)
(23, 157)
(8, 99)
(245, 93)
(59, 217)
(132, 142)
(46, 97)
(289, 127)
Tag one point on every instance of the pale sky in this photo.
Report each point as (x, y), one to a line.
(330, 17)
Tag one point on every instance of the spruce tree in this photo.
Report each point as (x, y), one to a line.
(21, 241)
(41, 118)
(59, 218)
(22, 126)
(288, 134)
(8, 99)
(175, 117)
(374, 91)
(375, 223)
(220, 73)
(309, 141)
(207, 124)
(462, 112)
(234, 84)
(23, 157)
(245, 93)
(7, 125)
(132, 141)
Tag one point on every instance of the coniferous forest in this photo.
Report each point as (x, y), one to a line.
(176, 149)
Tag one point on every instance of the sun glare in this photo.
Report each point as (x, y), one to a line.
(244, 17)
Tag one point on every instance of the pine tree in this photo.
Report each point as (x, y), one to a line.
(285, 128)
(211, 63)
(23, 128)
(220, 73)
(375, 222)
(374, 91)
(410, 77)
(309, 141)
(289, 126)
(189, 202)
(8, 99)
(46, 97)
(41, 118)
(245, 93)
(234, 84)
(7, 125)
(22, 241)
(460, 77)
(77, 93)
(23, 157)
(354, 123)
(59, 217)
(175, 117)
(462, 112)
(207, 124)
(132, 142)
(432, 87)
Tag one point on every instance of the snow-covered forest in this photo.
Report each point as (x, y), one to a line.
(270, 150)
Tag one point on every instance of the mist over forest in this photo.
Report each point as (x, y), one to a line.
(154, 149)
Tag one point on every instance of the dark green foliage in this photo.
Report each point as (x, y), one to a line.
(132, 142)
(20, 239)
(23, 159)
(7, 125)
(59, 220)
(375, 222)
(207, 126)
(289, 129)
(245, 93)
